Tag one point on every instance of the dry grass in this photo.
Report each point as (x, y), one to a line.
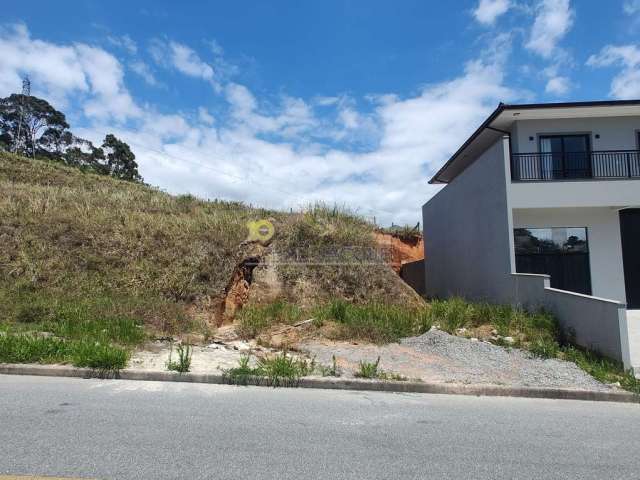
(132, 250)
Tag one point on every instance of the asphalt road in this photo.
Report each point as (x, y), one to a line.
(125, 430)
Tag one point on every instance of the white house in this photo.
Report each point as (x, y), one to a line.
(542, 208)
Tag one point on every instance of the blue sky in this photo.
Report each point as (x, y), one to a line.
(286, 103)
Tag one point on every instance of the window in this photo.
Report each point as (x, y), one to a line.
(565, 156)
(561, 252)
(551, 240)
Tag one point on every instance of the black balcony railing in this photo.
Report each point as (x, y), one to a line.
(576, 165)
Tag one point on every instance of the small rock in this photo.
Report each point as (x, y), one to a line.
(494, 332)
(462, 330)
(473, 339)
(509, 340)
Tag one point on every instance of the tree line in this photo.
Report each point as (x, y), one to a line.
(30, 126)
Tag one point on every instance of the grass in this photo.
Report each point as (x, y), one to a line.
(24, 348)
(371, 370)
(282, 370)
(255, 319)
(368, 369)
(183, 364)
(132, 250)
(377, 322)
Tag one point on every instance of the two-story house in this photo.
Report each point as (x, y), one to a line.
(542, 209)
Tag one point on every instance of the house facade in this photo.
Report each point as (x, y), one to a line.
(542, 208)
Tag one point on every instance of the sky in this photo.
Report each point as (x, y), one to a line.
(283, 104)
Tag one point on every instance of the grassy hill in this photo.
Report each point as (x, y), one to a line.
(82, 245)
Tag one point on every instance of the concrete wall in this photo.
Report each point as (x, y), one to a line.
(413, 274)
(597, 324)
(468, 234)
(570, 194)
(605, 247)
(616, 133)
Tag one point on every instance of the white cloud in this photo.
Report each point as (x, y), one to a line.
(125, 42)
(554, 18)
(205, 117)
(268, 152)
(144, 71)
(626, 84)
(65, 73)
(184, 59)
(631, 7)
(488, 11)
(188, 62)
(558, 86)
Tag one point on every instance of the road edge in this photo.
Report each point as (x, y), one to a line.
(332, 383)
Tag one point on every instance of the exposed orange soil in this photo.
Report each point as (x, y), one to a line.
(401, 250)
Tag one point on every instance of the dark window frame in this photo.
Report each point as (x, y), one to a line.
(588, 173)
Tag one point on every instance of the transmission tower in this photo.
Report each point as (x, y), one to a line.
(26, 92)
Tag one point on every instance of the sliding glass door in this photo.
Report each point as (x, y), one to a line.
(565, 156)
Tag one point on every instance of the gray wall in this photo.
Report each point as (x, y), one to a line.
(598, 324)
(467, 233)
(413, 274)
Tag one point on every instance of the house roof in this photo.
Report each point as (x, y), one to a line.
(502, 118)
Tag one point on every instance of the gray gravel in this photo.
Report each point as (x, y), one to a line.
(468, 361)
(437, 356)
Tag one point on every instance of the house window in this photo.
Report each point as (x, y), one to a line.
(561, 252)
(565, 156)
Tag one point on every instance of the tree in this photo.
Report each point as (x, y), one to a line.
(120, 160)
(30, 116)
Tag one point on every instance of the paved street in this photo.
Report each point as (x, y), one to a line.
(126, 430)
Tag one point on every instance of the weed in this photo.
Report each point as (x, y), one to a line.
(243, 374)
(283, 370)
(183, 364)
(368, 369)
(331, 371)
(544, 348)
(382, 375)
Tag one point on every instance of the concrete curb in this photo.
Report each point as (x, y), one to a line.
(333, 384)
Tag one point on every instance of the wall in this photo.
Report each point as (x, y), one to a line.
(596, 323)
(605, 248)
(413, 274)
(588, 193)
(616, 133)
(468, 232)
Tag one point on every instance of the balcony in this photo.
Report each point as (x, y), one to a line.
(597, 165)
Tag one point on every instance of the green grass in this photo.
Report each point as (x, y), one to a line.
(254, 319)
(368, 369)
(24, 348)
(375, 322)
(183, 364)
(281, 370)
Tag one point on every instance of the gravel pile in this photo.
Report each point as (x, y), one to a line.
(461, 360)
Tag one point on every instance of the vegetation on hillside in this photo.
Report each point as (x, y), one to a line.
(123, 250)
(378, 322)
(30, 126)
